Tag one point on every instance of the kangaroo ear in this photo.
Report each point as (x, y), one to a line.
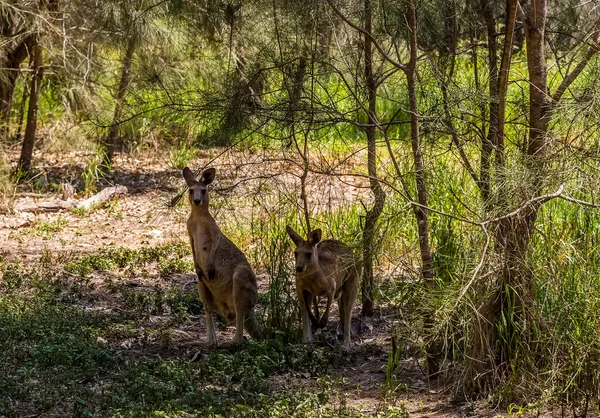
(208, 176)
(314, 237)
(294, 236)
(189, 177)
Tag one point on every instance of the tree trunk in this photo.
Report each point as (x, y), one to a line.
(421, 212)
(433, 348)
(511, 20)
(19, 133)
(517, 297)
(491, 140)
(296, 88)
(34, 92)
(539, 98)
(373, 214)
(112, 142)
(11, 65)
(508, 314)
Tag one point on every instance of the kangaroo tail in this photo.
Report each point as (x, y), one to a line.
(253, 327)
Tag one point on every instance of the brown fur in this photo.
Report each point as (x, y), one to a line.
(226, 282)
(324, 269)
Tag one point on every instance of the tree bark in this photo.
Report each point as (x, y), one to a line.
(539, 97)
(32, 111)
(491, 140)
(509, 312)
(24, 96)
(112, 142)
(517, 296)
(10, 65)
(511, 20)
(374, 213)
(421, 212)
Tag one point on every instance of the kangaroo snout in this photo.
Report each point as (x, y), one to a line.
(197, 202)
(300, 269)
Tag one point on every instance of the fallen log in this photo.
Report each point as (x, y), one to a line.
(101, 197)
(56, 205)
(47, 206)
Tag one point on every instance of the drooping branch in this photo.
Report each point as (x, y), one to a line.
(570, 78)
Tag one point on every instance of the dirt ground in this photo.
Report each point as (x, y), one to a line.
(143, 218)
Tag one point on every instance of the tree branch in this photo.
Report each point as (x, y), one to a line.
(570, 78)
(384, 54)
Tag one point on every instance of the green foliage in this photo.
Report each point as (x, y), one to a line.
(182, 156)
(171, 258)
(49, 228)
(281, 312)
(55, 356)
(94, 171)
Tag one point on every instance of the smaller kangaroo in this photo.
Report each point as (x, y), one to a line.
(226, 282)
(324, 269)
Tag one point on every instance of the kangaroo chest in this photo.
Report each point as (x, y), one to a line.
(205, 242)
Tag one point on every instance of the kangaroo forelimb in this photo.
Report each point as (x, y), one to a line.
(325, 317)
(307, 301)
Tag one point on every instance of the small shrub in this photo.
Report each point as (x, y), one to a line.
(48, 229)
(94, 171)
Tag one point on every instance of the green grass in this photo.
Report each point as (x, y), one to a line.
(182, 156)
(170, 258)
(53, 363)
(94, 171)
(61, 356)
(46, 229)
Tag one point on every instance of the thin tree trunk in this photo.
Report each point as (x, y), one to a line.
(11, 65)
(517, 293)
(6, 99)
(32, 111)
(433, 347)
(511, 307)
(491, 140)
(373, 214)
(539, 97)
(113, 142)
(421, 211)
(511, 20)
(19, 132)
(295, 90)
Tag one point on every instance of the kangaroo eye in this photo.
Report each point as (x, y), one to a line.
(309, 255)
(203, 191)
(191, 191)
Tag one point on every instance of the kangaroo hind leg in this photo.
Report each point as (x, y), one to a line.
(347, 300)
(209, 307)
(244, 299)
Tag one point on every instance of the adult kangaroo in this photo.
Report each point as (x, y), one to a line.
(226, 282)
(324, 269)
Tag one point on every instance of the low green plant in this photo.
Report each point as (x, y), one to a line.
(280, 312)
(94, 171)
(170, 258)
(47, 229)
(181, 156)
